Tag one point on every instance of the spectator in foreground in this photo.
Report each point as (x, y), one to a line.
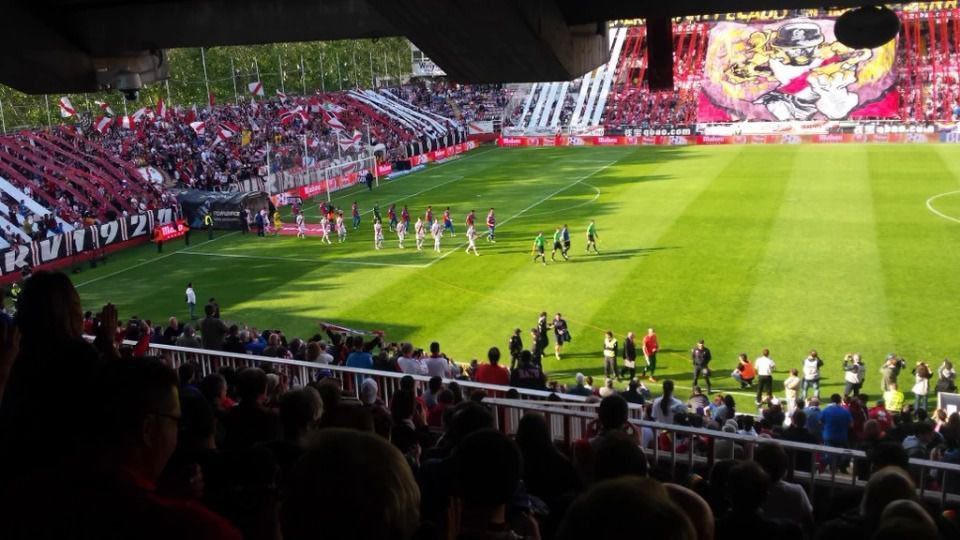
(492, 372)
(886, 485)
(212, 329)
(598, 514)
(785, 500)
(486, 476)
(748, 486)
(376, 497)
(250, 422)
(836, 422)
(580, 388)
(54, 366)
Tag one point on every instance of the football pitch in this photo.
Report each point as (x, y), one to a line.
(841, 248)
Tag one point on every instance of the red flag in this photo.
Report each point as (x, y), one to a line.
(212, 99)
(126, 122)
(162, 110)
(191, 115)
(332, 120)
(346, 143)
(227, 130)
(102, 124)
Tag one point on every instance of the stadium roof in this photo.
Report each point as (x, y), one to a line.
(85, 45)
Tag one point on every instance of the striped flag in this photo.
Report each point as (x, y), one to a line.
(102, 124)
(288, 116)
(256, 88)
(332, 121)
(347, 143)
(66, 108)
(281, 95)
(105, 107)
(162, 109)
(198, 127)
(126, 122)
(227, 130)
(138, 114)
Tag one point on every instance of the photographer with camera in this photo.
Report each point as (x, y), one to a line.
(853, 374)
(890, 371)
(921, 385)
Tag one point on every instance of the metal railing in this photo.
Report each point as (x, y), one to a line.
(574, 418)
(300, 373)
(697, 447)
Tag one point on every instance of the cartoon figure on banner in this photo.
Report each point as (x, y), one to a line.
(795, 70)
(813, 75)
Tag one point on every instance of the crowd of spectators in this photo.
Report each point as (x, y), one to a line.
(72, 178)
(465, 103)
(102, 441)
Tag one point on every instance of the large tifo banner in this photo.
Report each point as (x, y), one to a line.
(794, 70)
(83, 240)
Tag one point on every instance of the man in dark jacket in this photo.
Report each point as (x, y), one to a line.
(700, 355)
(630, 356)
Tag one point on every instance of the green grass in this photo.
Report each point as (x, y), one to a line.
(787, 247)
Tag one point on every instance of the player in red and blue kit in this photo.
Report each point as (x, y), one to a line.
(392, 216)
(447, 222)
(405, 216)
(355, 212)
(471, 218)
(491, 227)
(428, 216)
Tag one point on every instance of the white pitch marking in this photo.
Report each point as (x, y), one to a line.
(937, 212)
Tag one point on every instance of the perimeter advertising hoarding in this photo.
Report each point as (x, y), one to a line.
(679, 140)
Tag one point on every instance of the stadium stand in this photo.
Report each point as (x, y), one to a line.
(217, 430)
(122, 436)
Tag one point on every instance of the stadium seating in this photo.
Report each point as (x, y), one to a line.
(159, 441)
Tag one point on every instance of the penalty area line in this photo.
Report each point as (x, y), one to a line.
(297, 259)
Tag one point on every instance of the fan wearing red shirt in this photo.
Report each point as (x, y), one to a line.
(492, 373)
(650, 348)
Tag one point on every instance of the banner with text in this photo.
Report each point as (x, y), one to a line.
(83, 240)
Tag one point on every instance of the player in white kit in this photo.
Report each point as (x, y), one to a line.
(341, 228)
(436, 230)
(419, 232)
(401, 231)
(301, 227)
(325, 229)
(472, 240)
(377, 234)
